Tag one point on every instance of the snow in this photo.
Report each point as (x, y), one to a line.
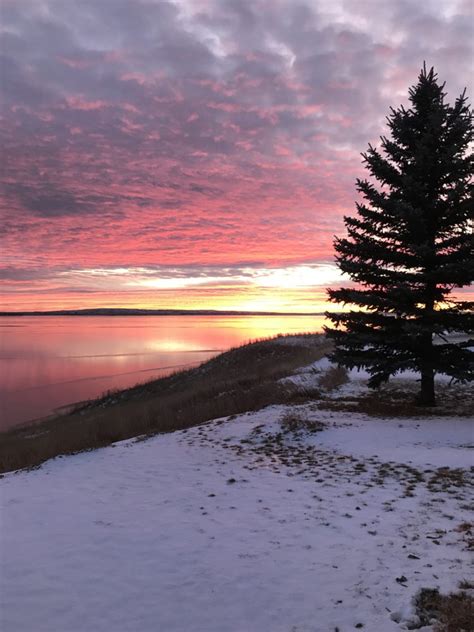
(226, 528)
(422, 443)
(308, 377)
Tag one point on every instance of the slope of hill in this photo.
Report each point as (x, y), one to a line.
(298, 517)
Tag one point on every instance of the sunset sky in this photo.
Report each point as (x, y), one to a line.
(198, 153)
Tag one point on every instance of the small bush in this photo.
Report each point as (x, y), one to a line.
(333, 378)
(452, 613)
(294, 423)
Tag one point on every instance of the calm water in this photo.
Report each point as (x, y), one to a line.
(49, 362)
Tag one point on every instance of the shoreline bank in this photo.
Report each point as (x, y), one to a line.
(232, 382)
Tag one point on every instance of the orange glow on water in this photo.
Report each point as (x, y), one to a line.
(47, 362)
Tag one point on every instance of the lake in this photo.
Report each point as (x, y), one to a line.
(47, 362)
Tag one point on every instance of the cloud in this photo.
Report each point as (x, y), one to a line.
(46, 200)
(146, 133)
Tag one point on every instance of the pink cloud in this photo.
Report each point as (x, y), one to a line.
(216, 136)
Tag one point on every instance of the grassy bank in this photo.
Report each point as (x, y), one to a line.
(239, 380)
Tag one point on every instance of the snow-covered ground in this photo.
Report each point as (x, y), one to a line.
(241, 525)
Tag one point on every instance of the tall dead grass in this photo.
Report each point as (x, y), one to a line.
(452, 613)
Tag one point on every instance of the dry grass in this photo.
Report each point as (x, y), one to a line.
(465, 584)
(293, 422)
(239, 380)
(395, 401)
(333, 378)
(452, 613)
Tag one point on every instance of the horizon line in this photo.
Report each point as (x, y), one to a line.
(131, 311)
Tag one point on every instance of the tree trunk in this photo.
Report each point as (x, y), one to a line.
(426, 396)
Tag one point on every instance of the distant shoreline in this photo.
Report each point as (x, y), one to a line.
(106, 311)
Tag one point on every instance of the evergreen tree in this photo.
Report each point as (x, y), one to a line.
(410, 245)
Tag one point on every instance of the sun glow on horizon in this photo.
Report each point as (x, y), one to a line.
(213, 166)
(299, 288)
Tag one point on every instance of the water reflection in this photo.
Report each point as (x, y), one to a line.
(48, 362)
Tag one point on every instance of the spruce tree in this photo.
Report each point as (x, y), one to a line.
(409, 245)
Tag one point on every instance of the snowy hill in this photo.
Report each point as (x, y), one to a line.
(290, 519)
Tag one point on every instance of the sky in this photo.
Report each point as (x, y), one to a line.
(199, 153)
